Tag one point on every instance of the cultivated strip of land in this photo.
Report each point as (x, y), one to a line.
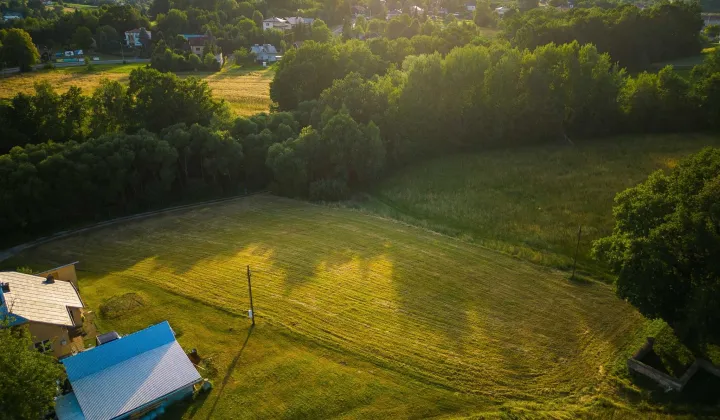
(246, 92)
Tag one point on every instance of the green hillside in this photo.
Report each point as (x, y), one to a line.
(359, 316)
(530, 202)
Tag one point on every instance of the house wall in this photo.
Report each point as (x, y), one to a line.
(66, 273)
(57, 335)
(155, 408)
(198, 49)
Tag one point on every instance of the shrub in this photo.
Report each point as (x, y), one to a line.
(117, 306)
(329, 190)
(194, 62)
(211, 63)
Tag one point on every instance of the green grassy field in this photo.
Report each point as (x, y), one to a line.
(530, 202)
(358, 316)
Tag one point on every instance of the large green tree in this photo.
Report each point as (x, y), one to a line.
(173, 23)
(163, 99)
(82, 38)
(665, 246)
(18, 50)
(28, 382)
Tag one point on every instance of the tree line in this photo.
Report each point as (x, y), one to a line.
(124, 149)
(476, 97)
(632, 36)
(352, 116)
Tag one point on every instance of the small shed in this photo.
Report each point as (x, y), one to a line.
(106, 338)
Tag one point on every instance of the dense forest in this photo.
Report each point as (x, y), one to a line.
(347, 110)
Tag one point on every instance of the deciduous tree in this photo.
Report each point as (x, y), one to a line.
(665, 244)
(18, 50)
(82, 38)
(28, 383)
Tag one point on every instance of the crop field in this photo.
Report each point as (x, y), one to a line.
(247, 92)
(358, 316)
(530, 202)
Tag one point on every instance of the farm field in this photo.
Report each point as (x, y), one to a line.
(530, 202)
(247, 92)
(358, 316)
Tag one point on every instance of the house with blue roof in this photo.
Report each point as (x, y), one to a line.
(135, 376)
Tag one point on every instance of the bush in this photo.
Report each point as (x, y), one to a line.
(118, 306)
(194, 62)
(244, 57)
(329, 190)
(211, 63)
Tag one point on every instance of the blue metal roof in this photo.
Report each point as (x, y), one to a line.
(131, 372)
(117, 351)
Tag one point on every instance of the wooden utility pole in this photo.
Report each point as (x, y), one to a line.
(577, 248)
(252, 309)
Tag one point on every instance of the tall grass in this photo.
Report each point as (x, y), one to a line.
(531, 202)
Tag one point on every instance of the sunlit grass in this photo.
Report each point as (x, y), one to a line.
(247, 92)
(530, 202)
(358, 316)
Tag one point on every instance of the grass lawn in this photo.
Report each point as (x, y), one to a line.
(530, 202)
(72, 7)
(78, 6)
(684, 65)
(358, 316)
(247, 92)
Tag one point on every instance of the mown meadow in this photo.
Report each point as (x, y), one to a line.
(358, 316)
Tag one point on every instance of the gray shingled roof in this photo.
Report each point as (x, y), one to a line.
(33, 298)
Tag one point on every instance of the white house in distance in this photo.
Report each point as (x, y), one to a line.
(8, 16)
(393, 13)
(298, 20)
(276, 23)
(132, 37)
(286, 23)
(265, 52)
(470, 6)
(502, 10)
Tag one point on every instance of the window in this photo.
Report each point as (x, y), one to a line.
(43, 346)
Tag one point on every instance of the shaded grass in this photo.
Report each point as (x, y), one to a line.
(247, 91)
(79, 6)
(358, 316)
(530, 202)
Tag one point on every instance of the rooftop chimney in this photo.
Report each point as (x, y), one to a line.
(50, 279)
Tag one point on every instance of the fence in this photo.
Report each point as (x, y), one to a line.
(670, 383)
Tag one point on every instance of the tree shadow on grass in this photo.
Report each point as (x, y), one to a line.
(230, 370)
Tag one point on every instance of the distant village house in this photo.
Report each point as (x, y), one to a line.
(8, 16)
(132, 37)
(287, 23)
(197, 43)
(393, 13)
(276, 23)
(265, 53)
(502, 10)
